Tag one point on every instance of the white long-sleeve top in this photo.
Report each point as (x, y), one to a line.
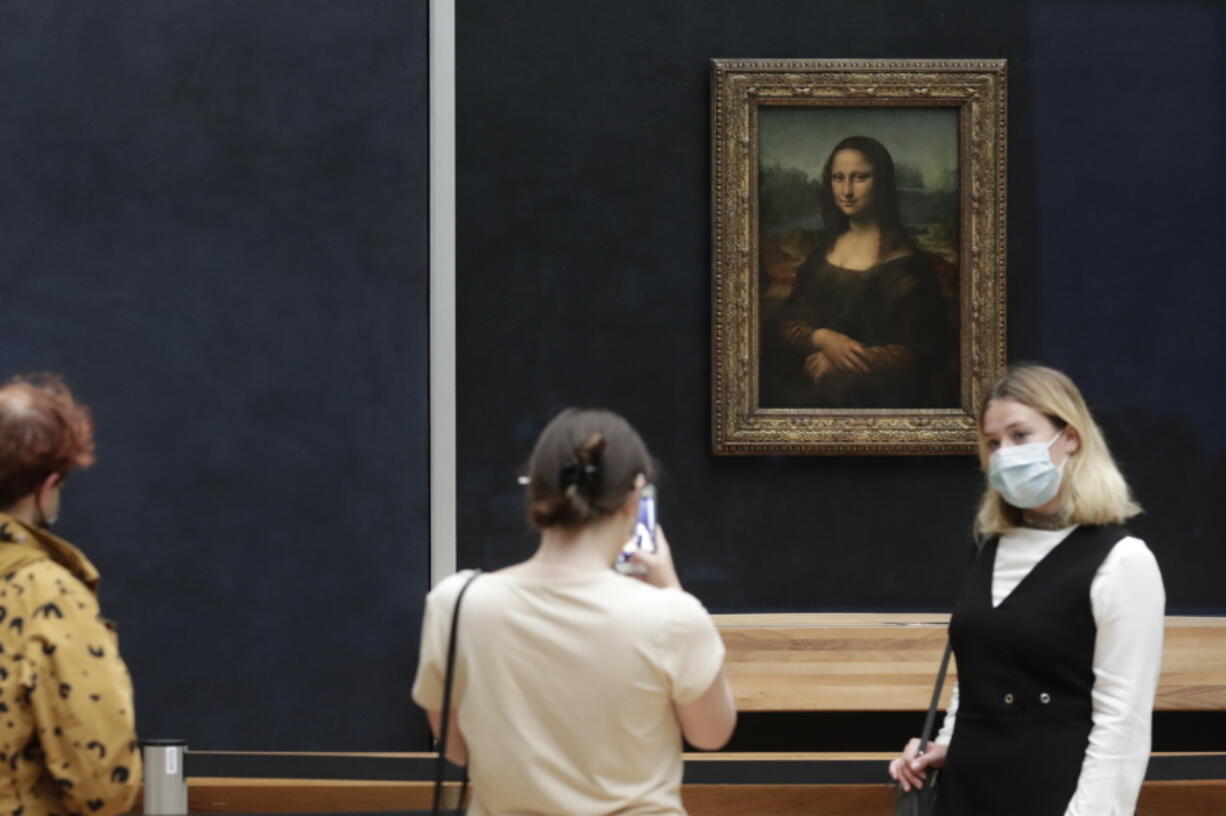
(1128, 602)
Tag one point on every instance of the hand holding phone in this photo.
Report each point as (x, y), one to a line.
(644, 537)
(647, 556)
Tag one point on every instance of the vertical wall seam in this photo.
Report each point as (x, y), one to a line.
(442, 292)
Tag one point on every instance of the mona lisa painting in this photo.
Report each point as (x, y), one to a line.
(858, 231)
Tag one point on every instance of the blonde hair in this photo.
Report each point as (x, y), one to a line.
(1092, 490)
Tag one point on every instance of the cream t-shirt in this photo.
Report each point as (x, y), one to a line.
(565, 689)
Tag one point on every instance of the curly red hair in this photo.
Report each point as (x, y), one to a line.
(43, 430)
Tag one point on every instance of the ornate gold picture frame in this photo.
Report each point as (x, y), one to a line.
(858, 231)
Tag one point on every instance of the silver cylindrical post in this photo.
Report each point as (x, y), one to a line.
(165, 781)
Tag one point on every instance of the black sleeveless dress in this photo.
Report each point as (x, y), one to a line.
(1025, 673)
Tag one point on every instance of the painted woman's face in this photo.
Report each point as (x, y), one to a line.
(851, 181)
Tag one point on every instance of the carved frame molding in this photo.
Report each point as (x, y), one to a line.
(976, 88)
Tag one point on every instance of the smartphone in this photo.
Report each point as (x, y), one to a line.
(644, 537)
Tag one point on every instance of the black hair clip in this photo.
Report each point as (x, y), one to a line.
(584, 475)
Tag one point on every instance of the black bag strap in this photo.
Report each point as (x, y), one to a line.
(930, 720)
(445, 724)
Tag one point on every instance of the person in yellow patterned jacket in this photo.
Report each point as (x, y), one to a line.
(67, 725)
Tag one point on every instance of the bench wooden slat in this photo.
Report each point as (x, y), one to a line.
(248, 795)
(887, 662)
(1190, 798)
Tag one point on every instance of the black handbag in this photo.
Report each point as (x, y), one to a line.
(445, 723)
(923, 801)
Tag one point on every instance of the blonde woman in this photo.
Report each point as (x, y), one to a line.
(1058, 630)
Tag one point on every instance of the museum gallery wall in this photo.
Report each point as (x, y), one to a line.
(216, 228)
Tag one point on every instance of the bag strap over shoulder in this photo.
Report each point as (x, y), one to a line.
(930, 719)
(445, 723)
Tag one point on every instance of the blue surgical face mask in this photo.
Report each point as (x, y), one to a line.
(1024, 475)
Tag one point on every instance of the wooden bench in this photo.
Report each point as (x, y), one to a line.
(888, 662)
(778, 663)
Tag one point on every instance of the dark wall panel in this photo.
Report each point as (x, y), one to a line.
(1130, 114)
(214, 224)
(584, 275)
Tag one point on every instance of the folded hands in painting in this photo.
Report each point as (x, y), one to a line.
(842, 352)
(845, 356)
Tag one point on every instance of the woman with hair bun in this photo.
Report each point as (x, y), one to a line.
(1058, 629)
(574, 685)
